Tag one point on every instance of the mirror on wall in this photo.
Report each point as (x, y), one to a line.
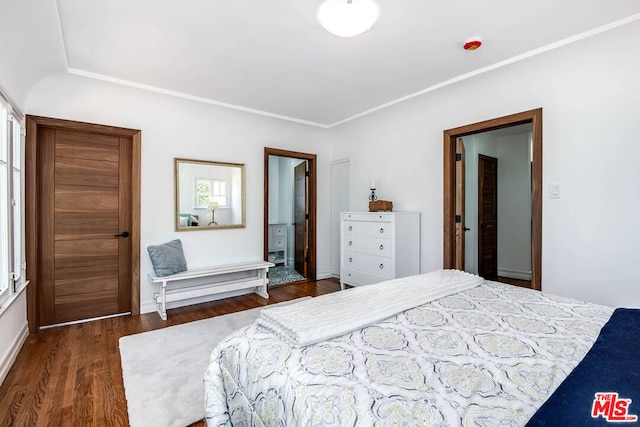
(209, 195)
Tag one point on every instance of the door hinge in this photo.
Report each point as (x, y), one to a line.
(306, 216)
(306, 173)
(458, 157)
(458, 219)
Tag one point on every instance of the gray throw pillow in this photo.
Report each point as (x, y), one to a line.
(167, 258)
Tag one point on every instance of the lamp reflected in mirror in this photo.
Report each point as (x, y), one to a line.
(201, 186)
(212, 207)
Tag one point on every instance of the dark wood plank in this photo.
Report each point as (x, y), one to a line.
(71, 375)
(46, 226)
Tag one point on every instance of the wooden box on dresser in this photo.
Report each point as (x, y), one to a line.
(378, 246)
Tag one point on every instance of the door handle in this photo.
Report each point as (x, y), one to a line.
(123, 234)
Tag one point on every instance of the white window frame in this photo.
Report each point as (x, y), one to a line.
(213, 196)
(12, 199)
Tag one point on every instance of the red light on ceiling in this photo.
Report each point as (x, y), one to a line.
(472, 44)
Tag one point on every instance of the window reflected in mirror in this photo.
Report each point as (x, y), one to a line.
(209, 195)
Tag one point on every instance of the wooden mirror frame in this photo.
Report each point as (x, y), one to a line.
(243, 202)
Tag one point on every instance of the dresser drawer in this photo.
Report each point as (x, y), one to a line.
(368, 229)
(369, 263)
(357, 278)
(277, 230)
(368, 245)
(276, 243)
(378, 217)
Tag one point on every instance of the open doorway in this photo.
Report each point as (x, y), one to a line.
(290, 215)
(491, 226)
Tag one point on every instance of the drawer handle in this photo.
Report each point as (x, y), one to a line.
(381, 247)
(350, 228)
(381, 266)
(350, 259)
(382, 230)
(350, 243)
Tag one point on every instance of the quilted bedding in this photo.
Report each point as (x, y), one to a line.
(490, 355)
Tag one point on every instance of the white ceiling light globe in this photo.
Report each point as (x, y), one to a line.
(348, 18)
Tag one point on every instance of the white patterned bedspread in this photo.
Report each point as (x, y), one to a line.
(488, 356)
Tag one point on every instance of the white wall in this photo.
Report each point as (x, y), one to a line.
(514, 206)
(173, 127)
(589, 93)
(14, 327)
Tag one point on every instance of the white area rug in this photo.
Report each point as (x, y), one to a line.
(163, 369)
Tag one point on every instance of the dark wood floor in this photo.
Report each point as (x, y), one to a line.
(71, 375)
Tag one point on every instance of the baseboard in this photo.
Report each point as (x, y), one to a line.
(514, 274)
(12, 352)
(326, 274)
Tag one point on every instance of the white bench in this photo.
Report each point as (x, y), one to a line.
(258, 281)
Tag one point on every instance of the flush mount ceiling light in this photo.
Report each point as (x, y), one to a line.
(348, 18)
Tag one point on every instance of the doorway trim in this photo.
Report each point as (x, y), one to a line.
(33, 124)
(312, 200)
(449, 224)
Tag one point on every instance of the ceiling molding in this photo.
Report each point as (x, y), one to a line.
(191, 97)
(517, 58)
(500, 64)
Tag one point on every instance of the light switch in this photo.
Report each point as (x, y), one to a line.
(554, 191)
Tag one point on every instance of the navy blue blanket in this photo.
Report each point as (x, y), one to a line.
(611, 369)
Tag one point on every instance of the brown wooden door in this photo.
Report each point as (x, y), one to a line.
(84, 202)
(460, 204)
(301, 217)
(488, 217)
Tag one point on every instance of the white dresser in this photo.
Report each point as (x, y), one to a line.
(278, 243)
(377, 246)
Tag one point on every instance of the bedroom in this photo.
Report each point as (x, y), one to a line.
(588, 90)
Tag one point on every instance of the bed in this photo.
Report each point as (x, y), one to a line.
(484, 354)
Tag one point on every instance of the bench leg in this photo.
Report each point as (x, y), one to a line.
(162, 306)
(262, 289)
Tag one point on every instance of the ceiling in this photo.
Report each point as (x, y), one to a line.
(272, 57)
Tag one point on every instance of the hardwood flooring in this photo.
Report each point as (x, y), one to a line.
(71, 375)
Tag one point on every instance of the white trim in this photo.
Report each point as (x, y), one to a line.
(64, 43)
(517, 58)
(514, 274)
(75, 322)
(325, 274)
(12, 352)
(4, 305)
(340, 161)
(190, 97)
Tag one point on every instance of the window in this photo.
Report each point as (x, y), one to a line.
(212, 190)
(4, 203)
(11, 208)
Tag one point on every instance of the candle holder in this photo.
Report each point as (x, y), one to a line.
(373, 196)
